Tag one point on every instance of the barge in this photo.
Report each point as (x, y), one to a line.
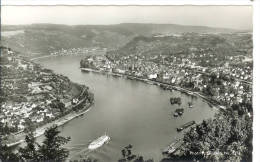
(186, 125)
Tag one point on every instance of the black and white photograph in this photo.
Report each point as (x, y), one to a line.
(126, 83)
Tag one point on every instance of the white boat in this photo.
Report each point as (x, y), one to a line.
(98, 142)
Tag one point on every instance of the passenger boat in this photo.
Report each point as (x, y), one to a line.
(99, 142)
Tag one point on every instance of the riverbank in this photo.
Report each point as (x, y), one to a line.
(59, 122)
(81, 108)
(35, 98)
(47, 56)
(172, 147)
(67, 54)
(122, 103)
(158, 83)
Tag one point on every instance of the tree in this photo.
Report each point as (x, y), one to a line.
(6, 154)
(29, 126)
(61, 106)
(51, 149)
(129, 156)
(29, 152)
(227, 137)
(57, 104)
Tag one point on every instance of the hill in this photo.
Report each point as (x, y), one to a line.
(43, 39)
(188, 43)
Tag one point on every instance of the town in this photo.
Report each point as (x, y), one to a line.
(32, 96)
(227, 79)
(79, 51)
(218, 70)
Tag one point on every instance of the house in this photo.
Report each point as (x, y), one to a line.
(166, 76)
(152, 76)
(120, 71)
(173, 80)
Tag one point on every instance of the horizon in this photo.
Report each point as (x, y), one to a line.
(125, 23)
(229, 17)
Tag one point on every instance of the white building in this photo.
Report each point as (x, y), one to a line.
(152, 76)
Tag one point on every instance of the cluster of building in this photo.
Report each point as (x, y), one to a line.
(28, 92)
(228, 84)
(78, 51)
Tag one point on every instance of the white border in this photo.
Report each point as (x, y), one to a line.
(126, 2)
(256, 81)
(256, 33)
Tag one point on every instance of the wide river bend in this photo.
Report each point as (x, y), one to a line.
(131, 112)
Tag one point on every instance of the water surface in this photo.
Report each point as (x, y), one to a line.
(131, 112)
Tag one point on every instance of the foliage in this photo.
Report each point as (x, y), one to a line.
(29, 152)
(29, 126)
(50, 150)
(6, 154)
(57, 104)
(129, 156)
(227, 137)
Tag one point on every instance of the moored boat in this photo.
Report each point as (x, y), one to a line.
(186, 125)
(178, 112)
(173, 147)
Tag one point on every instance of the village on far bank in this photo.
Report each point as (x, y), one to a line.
(224, 78)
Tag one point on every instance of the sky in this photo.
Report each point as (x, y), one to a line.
(236, 17)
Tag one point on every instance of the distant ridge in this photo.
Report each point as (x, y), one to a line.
(45, 38)
(128, 25)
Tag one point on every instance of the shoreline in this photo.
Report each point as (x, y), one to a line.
(19, 137)
(47, 56)
(157, 83)
(59, 122)
(63, 120)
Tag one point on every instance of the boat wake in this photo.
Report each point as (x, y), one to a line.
(93, 146)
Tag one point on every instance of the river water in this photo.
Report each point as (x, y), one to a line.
(131, 112)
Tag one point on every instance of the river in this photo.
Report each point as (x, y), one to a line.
(131, 112)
